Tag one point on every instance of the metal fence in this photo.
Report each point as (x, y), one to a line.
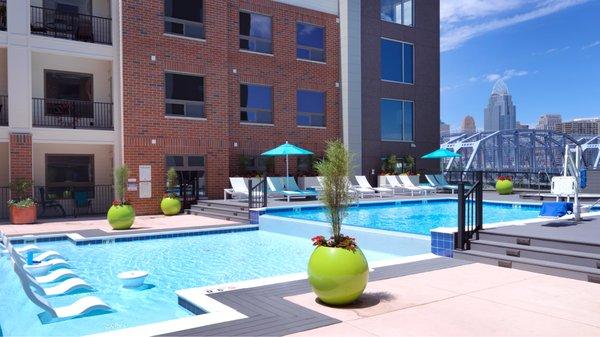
(72, 114)
(100, 199)
(525, 180)
(4, 197)
(71, 26)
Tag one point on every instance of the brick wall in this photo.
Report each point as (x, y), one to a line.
(20, 157)
(150, 136)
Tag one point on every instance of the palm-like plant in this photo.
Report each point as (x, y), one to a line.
(121, 176)
(335, 169)
(172, 181)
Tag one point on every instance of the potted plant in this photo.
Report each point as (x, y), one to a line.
(504, 185)
(170, 204)
(337, 270)
(22, 209)
(121, 214)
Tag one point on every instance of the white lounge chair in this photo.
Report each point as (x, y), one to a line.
(63, 288)
(54, 276)
(38, 269)
(80, 307)
(239, 189)
(359, 190)
(405, 180)
(290, 190)
(397, 186)
(364, 183)
(41, 254)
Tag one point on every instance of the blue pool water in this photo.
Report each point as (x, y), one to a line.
(413, 217)
(173, 264)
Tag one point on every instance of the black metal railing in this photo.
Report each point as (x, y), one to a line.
(2, 14)
(525, 180)
(470, 212)
(71, 26)
(93, 199)
(3, 110)
(4, 197)
(72, 114)
(257, 194)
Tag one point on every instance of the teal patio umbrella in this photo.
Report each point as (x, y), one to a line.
(441, 153)
(287, 150)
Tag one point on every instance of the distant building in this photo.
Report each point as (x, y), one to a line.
(444, 129)
(549, 122)
(581, 126)
(468, 125)
(520, 126)
(500, 114)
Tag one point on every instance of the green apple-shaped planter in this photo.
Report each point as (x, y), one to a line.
(338, 276)
(504, 186)
(121, 216)
(170, 206)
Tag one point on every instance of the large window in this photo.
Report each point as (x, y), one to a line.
(397, 11)
(396, 120)
(397, 61)
(256, 103)
(69, 173)
(256, 33)
(68, 94)
(184, 17)
(311, 108)
(310, 42)
(190, 174)
(184, 95)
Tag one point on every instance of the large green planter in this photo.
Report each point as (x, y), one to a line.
(504, 186)
(121, 216)
(338, 276)
(170, 206)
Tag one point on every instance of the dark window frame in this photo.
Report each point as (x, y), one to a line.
(186, 168)
(184, 22)
(257, 110)
(309, 48)
(402, 58)
(64, 186)
(255, 38)
(185, 103)
(412, 15)
(72, 73)
(311, 113)
(68, 107)
(412, 128)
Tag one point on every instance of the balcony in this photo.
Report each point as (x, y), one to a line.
(72, 114)
(3, 110)
(67, 23)
(3, 15)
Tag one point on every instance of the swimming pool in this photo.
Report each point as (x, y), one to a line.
(173, 264)
(416, 217)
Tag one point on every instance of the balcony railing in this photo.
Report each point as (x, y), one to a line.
(72, 114)
(92, 199)
(71, 26)
(3, 110)
(2, 14)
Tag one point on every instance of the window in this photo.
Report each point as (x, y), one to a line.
(184, 95)
(184, 17)
(397, 11)
(68, 94)
(311, 108)
(310, 42)
(191, 175)
(397, 61)
(396, 120)
(256, 103)
(255, 33)
(69, 173)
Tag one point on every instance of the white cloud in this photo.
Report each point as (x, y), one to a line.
(552, 51)
(507, 75)
(497, 15)
(591, 45)
(492, 77)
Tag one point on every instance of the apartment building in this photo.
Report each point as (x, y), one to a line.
(205, 87)
(580, 127)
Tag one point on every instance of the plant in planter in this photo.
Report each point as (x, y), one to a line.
(22, 209)
(170, 204)
(121, 214)
(337, 270)
(504, 185)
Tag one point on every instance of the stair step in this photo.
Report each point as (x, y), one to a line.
(220, 209)
(242, 219)
(534, 265)
(222, 205)
(540, 253)
(532, 241)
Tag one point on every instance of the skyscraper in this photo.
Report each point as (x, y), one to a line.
(468, 125)
(549, 121)
(500, 113)
(444, 128)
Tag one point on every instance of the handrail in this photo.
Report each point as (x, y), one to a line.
(470, 212)
(71, 26)
(257, 194)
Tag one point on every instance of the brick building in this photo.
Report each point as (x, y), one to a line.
(205, 87)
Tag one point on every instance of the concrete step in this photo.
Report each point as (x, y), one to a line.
(570, 257)
(489, 235)
(533, 265)
(223, 204)
(228, 217)
(220, 209)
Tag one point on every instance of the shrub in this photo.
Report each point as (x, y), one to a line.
(121, 176)
(172, 181)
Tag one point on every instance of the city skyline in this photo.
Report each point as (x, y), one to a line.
(536, 47)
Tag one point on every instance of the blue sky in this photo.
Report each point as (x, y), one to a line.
(547, 51)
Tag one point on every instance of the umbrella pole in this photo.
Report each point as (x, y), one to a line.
(287, 171)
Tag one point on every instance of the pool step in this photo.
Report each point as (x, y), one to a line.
(220, 211)
(490, 235)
